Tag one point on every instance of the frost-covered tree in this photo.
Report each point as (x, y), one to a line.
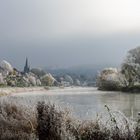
(6, 66)
(131, 68)
(48, 80)
(108, 79)
(2, 81)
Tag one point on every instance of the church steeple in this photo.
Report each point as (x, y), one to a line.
(26, 67)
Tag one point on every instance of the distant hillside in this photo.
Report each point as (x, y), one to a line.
(85, 74)
(88, 70)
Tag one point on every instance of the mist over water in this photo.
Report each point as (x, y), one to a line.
(85, 103)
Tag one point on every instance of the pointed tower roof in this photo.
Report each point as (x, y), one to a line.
(26, 67)
(26, 64)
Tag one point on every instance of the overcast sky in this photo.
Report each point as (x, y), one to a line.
(65, 33)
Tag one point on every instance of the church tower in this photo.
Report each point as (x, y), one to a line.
(26, 67)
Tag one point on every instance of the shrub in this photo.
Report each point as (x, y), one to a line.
(92, 131)
(51, 123)
(16, 122)
(48, 122)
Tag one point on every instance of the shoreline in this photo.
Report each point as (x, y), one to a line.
(5, 91)
(8, 91)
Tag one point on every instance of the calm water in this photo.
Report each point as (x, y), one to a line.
(86, 103)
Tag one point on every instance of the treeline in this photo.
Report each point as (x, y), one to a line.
(10, 76)
(127, 78)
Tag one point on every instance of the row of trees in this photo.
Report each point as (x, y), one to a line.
(10, 76)
(126, 78)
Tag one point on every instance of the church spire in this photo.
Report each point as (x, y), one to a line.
(26, 67)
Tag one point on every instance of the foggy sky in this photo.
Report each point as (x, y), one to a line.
(65, 33)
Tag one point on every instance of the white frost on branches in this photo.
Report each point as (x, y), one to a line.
(6, 66)
(108, 79)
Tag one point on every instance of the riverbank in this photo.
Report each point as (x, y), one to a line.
(4, 91)
(48, 121)
(133, 89)
(12, 90)
(25, 115)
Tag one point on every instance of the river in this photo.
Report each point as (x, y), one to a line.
(86, 103)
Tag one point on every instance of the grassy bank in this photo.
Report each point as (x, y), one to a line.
(49, 122)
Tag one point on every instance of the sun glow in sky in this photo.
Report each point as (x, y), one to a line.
(119, 14)
(61, 18)
(95, 16)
